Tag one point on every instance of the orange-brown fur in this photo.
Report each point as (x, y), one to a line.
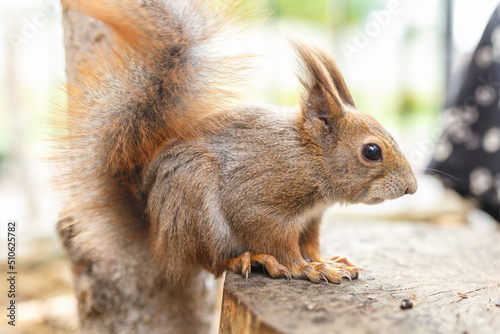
(154, 149)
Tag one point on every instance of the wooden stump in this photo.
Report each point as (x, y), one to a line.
(450, 274)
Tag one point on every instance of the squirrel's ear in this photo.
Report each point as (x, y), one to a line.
(336, 76)
(326, 91)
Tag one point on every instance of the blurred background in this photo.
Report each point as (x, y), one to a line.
(398, 58)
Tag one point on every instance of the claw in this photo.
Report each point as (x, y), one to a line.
(286, 274)
(359, 270)
(345, 273)
(323, 277)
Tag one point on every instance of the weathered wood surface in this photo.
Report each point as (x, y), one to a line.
(452, 275)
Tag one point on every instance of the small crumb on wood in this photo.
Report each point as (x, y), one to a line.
(497, 302)
(311, 306)
(406, 304)
(462, 295)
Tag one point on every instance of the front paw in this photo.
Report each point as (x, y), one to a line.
(320, 271)
(243, 264)
(343, 263)
(340, 262)
(329, 271)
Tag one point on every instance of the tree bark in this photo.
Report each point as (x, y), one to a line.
(122, 291)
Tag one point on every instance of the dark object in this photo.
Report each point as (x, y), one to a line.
(467, 156)
(448, 39)
(406, 304)
(497, 302)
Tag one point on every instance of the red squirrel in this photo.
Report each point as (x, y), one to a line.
(153, 132)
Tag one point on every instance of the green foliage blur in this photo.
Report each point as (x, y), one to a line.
(322, 11)
(404, 102)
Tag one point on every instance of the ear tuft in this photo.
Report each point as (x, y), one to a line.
(321, 98)
(336, 76)
(326, 90)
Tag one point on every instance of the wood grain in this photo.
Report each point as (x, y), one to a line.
(451, 274)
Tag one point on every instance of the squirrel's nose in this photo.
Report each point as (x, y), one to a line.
(412, 185)
(409, 191)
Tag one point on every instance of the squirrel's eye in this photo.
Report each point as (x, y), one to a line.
(372, 152)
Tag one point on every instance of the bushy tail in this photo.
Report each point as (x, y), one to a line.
(168, 71)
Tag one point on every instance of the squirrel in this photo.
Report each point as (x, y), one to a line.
(154, 132)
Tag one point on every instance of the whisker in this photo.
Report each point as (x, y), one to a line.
(438, 171)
